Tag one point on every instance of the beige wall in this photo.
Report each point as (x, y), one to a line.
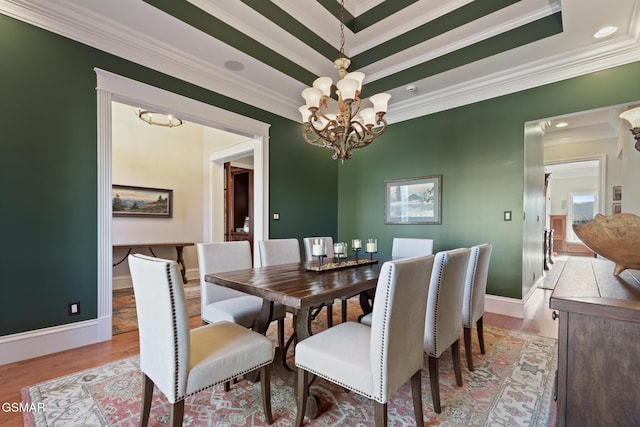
(159, 157)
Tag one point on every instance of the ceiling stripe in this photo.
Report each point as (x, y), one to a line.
(208, 24)
(368, 18)
(454, 19)
(287, 22)
(525, 34)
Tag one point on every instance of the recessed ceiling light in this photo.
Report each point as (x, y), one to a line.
(234, 65)
(562, 124)
(605, 31)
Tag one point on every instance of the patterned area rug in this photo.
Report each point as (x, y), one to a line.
(512, 385)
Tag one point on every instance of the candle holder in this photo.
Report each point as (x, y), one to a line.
(320, 261)
(340, 250)
(371, 247)
(319, 249)
(356, 245)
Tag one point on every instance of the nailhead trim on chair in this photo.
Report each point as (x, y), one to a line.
(473, 282)
(435, 353)
(380, 398)
(175, 333)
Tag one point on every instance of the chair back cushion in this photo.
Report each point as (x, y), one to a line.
(444, 303)
(476, 284)
(218, 257)
(279, 251)
(396, 336)
(408, 247)
(308, 242)
(162, 323)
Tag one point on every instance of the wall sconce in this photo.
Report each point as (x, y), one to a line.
(633, 117)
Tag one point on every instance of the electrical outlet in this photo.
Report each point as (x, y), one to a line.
(74, 308)
(507, 215)
(276, 216)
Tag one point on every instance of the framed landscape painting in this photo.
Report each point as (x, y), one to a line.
(141, 202)
(413, 200)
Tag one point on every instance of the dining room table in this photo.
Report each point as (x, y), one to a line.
(301, 287)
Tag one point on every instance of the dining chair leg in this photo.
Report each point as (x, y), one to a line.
(281, 332)
(434, 377)
(329, 315)
(227, 386)
(344, 310)
(147, 395)
(416, 392)
(301, 397)
(467, 348)
(265, 386)
(380, 414)
(480, 334)
(177, 413)
(455, 353)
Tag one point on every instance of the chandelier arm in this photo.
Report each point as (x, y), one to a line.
(369, 135)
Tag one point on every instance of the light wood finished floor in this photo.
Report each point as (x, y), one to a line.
(17, 375)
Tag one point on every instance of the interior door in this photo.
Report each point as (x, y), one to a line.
(238, 203)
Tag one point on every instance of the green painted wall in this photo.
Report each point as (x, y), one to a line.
(48, 169)
(479, 150)
(49, 173)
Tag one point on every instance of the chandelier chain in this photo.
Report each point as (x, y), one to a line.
(342, 29)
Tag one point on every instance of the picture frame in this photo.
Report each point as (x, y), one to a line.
(413, 200)
(141, 202)
(616, 208)
(617, 193)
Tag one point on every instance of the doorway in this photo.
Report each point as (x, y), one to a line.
(111, 87)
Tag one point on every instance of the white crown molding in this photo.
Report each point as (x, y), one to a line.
(549, 70)
(65, 18)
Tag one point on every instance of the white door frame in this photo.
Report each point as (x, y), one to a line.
(112, 87)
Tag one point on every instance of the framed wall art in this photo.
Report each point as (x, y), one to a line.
(617, 208)
(413, 200)
(141, 202)
(617, 193)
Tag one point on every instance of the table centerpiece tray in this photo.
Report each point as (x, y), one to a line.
(330, 266)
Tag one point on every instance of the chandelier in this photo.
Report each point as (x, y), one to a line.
(352, 127)
(159, 119)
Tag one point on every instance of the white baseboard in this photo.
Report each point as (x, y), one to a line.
(506, 306)
(26, 345)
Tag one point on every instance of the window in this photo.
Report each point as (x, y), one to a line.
(582, 208)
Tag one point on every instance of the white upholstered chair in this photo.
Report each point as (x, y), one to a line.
(444, 315)
(182, 362)
(279, 251)
(404, 247)
(474, 294)
(218, 303)
(374, 361)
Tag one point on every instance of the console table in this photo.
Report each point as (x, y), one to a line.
(598, 344)
(179, 247)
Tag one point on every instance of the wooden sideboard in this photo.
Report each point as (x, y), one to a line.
(598, 344)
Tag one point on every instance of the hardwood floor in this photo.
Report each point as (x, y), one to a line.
(17, 375)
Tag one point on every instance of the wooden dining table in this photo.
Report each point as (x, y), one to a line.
(300, 289)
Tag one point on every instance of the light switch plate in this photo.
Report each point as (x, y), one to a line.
(507, 215)
(276, 216)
